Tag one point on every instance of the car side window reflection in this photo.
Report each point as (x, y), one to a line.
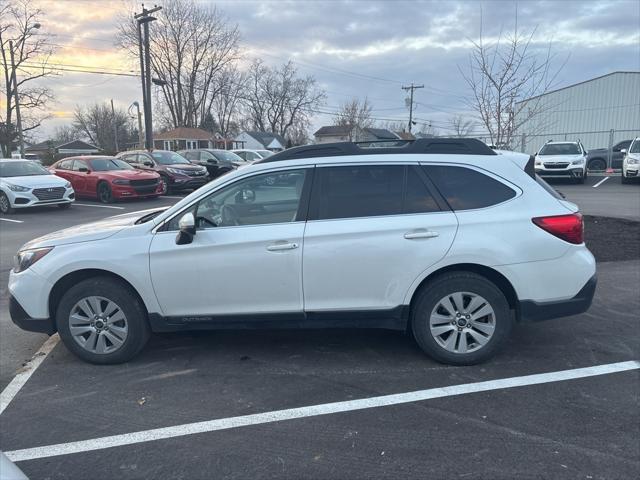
(258, 200)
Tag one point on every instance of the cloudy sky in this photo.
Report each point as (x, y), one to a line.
(355, 48)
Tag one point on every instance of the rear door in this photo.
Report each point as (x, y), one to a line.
(372, 230)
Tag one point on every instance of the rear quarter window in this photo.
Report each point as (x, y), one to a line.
(466, 189)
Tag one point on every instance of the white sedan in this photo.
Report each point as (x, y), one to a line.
(25, 183)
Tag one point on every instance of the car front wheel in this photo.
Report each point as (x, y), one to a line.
(460, 318)
(5, 204)
(101, 321)
(104, 193)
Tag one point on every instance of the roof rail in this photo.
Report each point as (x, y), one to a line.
(458, 146)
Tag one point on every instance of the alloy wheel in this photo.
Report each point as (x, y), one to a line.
(4, 203)
(105, 193)
(462, 322)
(98, 325)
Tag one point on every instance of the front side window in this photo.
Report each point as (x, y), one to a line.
(466, 189)
(258, 200)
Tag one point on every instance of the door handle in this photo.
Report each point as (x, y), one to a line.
(279, 246)
(420, 234)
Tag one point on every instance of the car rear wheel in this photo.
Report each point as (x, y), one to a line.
(104, 193)
(460, 318)
(5, 204)
(101, 321)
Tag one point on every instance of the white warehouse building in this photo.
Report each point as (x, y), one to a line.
(600, 112)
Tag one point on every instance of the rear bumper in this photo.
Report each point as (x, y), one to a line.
(532, 311)
(25, 322)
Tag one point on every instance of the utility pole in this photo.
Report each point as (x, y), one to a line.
(140, 133)
(143, 20)
(15, 91)
(411, 88)
(115, 125)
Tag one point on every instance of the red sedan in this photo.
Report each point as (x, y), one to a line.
(107, 178)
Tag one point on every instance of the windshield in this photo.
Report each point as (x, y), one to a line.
(635, 146)
(22, 169)
(560, 149)
(168, 158)
(105, 164)
(228, 156)
(265, 153)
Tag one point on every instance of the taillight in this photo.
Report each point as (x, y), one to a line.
(567, 227)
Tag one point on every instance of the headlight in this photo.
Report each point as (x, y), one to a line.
(578, 162)
(17, 188)
(25, 258)
(632, 161)
(67, 185)
(121, 181)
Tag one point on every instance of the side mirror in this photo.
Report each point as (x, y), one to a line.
(83, 169)
(623, 151)
(187, 226)
(148, 164)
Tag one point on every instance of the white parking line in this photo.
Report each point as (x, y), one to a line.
(97, 206)
(10, 220)
(312, 411)
(601, 182)
(25, 373)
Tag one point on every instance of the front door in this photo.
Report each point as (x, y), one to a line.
(372, 231)
(246, 256)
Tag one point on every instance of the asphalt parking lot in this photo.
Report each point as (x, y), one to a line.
(315, 404)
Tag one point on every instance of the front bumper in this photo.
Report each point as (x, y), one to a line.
(532, 311)
(29, 199)
(126, 191)
(576, 172)
(188, 183)
(22, 319)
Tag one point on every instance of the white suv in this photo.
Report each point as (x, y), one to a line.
(562, 159)
(631, 162)
(444, 238)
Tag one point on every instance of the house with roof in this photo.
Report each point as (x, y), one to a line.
(51, 149)
(346, 133)
(183, 138)
(253, 140)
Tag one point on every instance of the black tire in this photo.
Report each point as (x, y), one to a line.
(624, 179)
(580, 180)
(430, 295)
(5, 204)
(64, 206)
(104, 193)
(167, 189)
(118, 292)
(597, 164)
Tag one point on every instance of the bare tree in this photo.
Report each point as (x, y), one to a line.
(66, 133)
(356, 116)
(277, 98)
(226, 105)
(191, 44)
(97, 122)
(19, 22)
(503, 74)
(461, 126)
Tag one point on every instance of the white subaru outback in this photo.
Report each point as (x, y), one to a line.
(443, 238)
(562, 159)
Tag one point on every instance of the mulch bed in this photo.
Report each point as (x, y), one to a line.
(612, 239)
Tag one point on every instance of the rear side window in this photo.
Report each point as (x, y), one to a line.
(466, 189)
(368, 191)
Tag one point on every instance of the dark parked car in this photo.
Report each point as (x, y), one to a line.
(597, 157)
(177, 172)
(217, 162)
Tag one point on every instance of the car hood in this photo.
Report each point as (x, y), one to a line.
(133, 174)
(36, 181)
(559, 158)
(89, 232)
